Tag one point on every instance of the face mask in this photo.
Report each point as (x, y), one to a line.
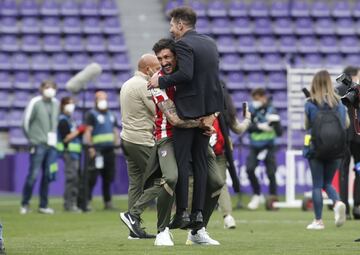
(69, 108)
(257, 104)
(49, 92)
(102, 105)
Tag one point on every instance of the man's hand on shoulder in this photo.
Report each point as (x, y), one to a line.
(154, 81)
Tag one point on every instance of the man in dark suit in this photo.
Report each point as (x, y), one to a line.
(198, 95)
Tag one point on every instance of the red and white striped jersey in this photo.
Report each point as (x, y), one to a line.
(163, 128)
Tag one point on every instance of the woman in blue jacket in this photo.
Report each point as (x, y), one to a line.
(323, 98)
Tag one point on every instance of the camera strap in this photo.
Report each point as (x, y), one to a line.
(356, 121)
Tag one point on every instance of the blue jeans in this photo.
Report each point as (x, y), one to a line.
(322, 173)
(40, 158)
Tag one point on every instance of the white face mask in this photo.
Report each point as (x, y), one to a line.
(49, 92)
(102, 105)
(69, 108)
(257, 104)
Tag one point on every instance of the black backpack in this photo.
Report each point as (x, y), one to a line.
(328, 135)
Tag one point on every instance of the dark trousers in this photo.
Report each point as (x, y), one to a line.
(107, 173)
(270, 163)
(353, 150)
(191, 145)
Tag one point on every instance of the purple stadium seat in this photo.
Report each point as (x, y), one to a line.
(299, 9)
(17, 137)
(22, 80)
(349, 44)
(3, 119)
(61, 78)
(40, 62)
(325, 26)
(356, 9)
(239, 97)
(235, 80)
(120, 62)
(39, 77)
(60, 62)
(216, 8)
(308, 44)
(255, 80)
(328, 44)
(73, 43)
(352, 60)
(171, 5)
(89, 99)
(29, 8)
(203, 26)
(20, 61)
(273, 62)
(199, 7)
(31, 43)
(15, 118)
(69, 8)
(221, 26)
(313, 61)
(9, 25)
(283, 26)
(71, 25)
(95, 43)
(5, 81)
(9, 43)
(334, 60)
(5, 99)
(91, 25)
(252, 62)
(230, 62)
(5, 64)
(242, 26)
(52, 43)
(105, 81)
(89, 8)
(113, 100)
(341, 9)
(116, 43)
(108, 8)
(267, 44)
(30, 25)
(111, 25)
(297, 61)
(277, 81)
(283, 117)
(304, 26)
(345, 26)
(238, 9)
(49, 8)
(320, 9)
(258, 9)
(246, 44)
(8, 8)
(262, 26)
(79, 61)
(280, 99)
(51, 25)
(226, 44)
(279, 9)
(120, 78)
(103, 60)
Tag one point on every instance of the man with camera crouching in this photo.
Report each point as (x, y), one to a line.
(353, 143)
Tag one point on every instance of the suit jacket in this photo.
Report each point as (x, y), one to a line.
(198, 89)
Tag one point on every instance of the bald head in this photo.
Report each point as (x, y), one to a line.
(148, 64)
(100, 95)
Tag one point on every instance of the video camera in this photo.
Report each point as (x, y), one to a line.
(352, 96)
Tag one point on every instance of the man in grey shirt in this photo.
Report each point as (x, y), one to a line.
(39, 124)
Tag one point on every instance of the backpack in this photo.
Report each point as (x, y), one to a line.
(328, 135)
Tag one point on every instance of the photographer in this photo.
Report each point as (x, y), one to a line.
(353, 149)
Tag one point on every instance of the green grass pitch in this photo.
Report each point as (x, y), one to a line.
(101, 232)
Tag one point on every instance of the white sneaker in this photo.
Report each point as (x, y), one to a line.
(229, 222)
(164, 238)
(201, 237)
(340, 213)
(24, 210)
(316, 225)
(255, 202)
(46, 210)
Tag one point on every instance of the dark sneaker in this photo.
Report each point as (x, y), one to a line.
(133, 224)
(132, 236)
(181, 220)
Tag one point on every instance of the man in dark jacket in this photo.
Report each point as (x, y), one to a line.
(198, 94)
(353, 150)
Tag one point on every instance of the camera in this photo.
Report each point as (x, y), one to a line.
(352, 96)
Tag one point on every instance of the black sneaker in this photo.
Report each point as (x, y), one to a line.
(181, 220)
(133, 224)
